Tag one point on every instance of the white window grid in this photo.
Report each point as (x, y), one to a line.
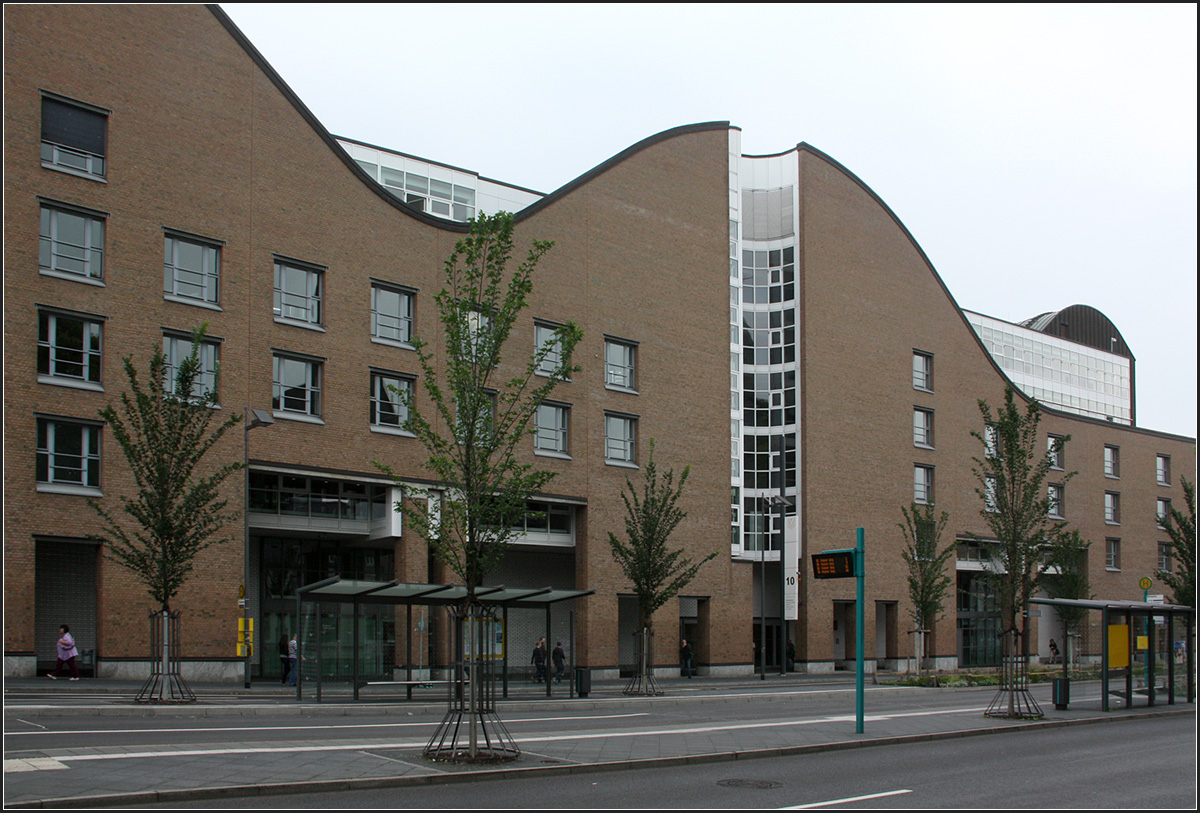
(71, 243)
(620, 438)
(390, 396)
(391, 313)
(620, 360)
(298, 293)
(178, 348)
(191, 269)
(296, 385)
(69, 347)
(68, 453)
(551, 424)
(923, 484)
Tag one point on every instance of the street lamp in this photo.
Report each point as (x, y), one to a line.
(254, 418)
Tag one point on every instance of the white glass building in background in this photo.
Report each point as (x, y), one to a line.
(1059, 372)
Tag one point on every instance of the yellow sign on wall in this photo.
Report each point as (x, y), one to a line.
(1118, 646)
(245, 638)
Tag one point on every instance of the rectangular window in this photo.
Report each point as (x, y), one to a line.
(177, 348)
(390, 396)
(545, 339)
(991, 440)
(989, 494)
(923, 484)
(551, 424)
(1112, 461)
(298, 293)
(923, 427)
(69, 348)
(68, 454)
(1162, 464)
(1163, 512)
(620, 439)
(1164, 556)
(922, 371)
(391, 313)
(1054, 450)
(74, 136)
(191, 269)
(72, 243)
(1112, 507)
(1112, 554)
(296, 386)
(620, 364)
(1056, 500)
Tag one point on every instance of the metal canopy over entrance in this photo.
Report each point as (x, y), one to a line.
(1119, 643)
(358, 592)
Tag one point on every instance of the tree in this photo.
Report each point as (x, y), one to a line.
(1011, 475)
(928, 582)
(658, 573)
(1182, 530)
(165, 428)
(1066, 576)
(471, 431)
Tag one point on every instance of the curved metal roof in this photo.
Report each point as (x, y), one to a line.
(1083, 324)
(337, 589)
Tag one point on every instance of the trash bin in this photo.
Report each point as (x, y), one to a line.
(1062, 693)
(583, 681)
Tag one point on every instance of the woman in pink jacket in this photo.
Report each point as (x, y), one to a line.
(66, 654)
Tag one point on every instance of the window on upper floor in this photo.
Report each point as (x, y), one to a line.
(71, 243)
(1163, 512)
(923, 427)
(922, 371)
(1055, 450)
(296, 386)
(546, 339)
(298, 293)
(1162, 464)
(1055, 495)
(1112, 461)
(991, 440)
(1112, 553)
(176, 348)
(391, 394)
(620, 439)
(551, 425)
(989, 494)
(69, 349)
(1164, 556)
(191, 269)
(1112, 507)
(68, 455)
(923, 484)
(392, 313)
(620, 364)
(74, 136)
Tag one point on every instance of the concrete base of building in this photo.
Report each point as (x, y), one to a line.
(20, 666)
(198, 670)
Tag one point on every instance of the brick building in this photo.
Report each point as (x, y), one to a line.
(798, 305)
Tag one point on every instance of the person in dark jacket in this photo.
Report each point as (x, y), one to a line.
(539, 660)
(559, 656)
(685, 658)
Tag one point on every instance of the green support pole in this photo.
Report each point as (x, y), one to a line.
(859, 629)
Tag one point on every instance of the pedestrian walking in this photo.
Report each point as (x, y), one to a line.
(685, 659)
(66, 654)
(559, 656)
(539, 660)
(1053, 651)
(285, 661)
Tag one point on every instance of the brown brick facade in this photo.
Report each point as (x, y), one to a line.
(203, 139)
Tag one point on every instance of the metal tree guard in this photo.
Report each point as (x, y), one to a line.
(1014, 700)
(165, 684)
(643, 682)
(471, 731)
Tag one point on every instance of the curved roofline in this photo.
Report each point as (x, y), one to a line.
(395, 203)
(1047, 408)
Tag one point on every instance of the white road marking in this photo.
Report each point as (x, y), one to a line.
(361, 746)
(847, 800)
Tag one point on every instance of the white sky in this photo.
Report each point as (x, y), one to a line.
(1042, 156)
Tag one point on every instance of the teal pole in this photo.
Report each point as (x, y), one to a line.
(859, 629)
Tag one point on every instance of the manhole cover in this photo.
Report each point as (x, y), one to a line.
(755, 784)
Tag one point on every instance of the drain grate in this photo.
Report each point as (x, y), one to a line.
(753, 784)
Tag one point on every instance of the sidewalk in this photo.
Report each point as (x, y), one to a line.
(806, 714)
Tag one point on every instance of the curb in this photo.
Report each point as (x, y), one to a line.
(335, 785)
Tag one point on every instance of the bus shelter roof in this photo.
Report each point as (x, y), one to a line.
(337, 589)
(1115, 605)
